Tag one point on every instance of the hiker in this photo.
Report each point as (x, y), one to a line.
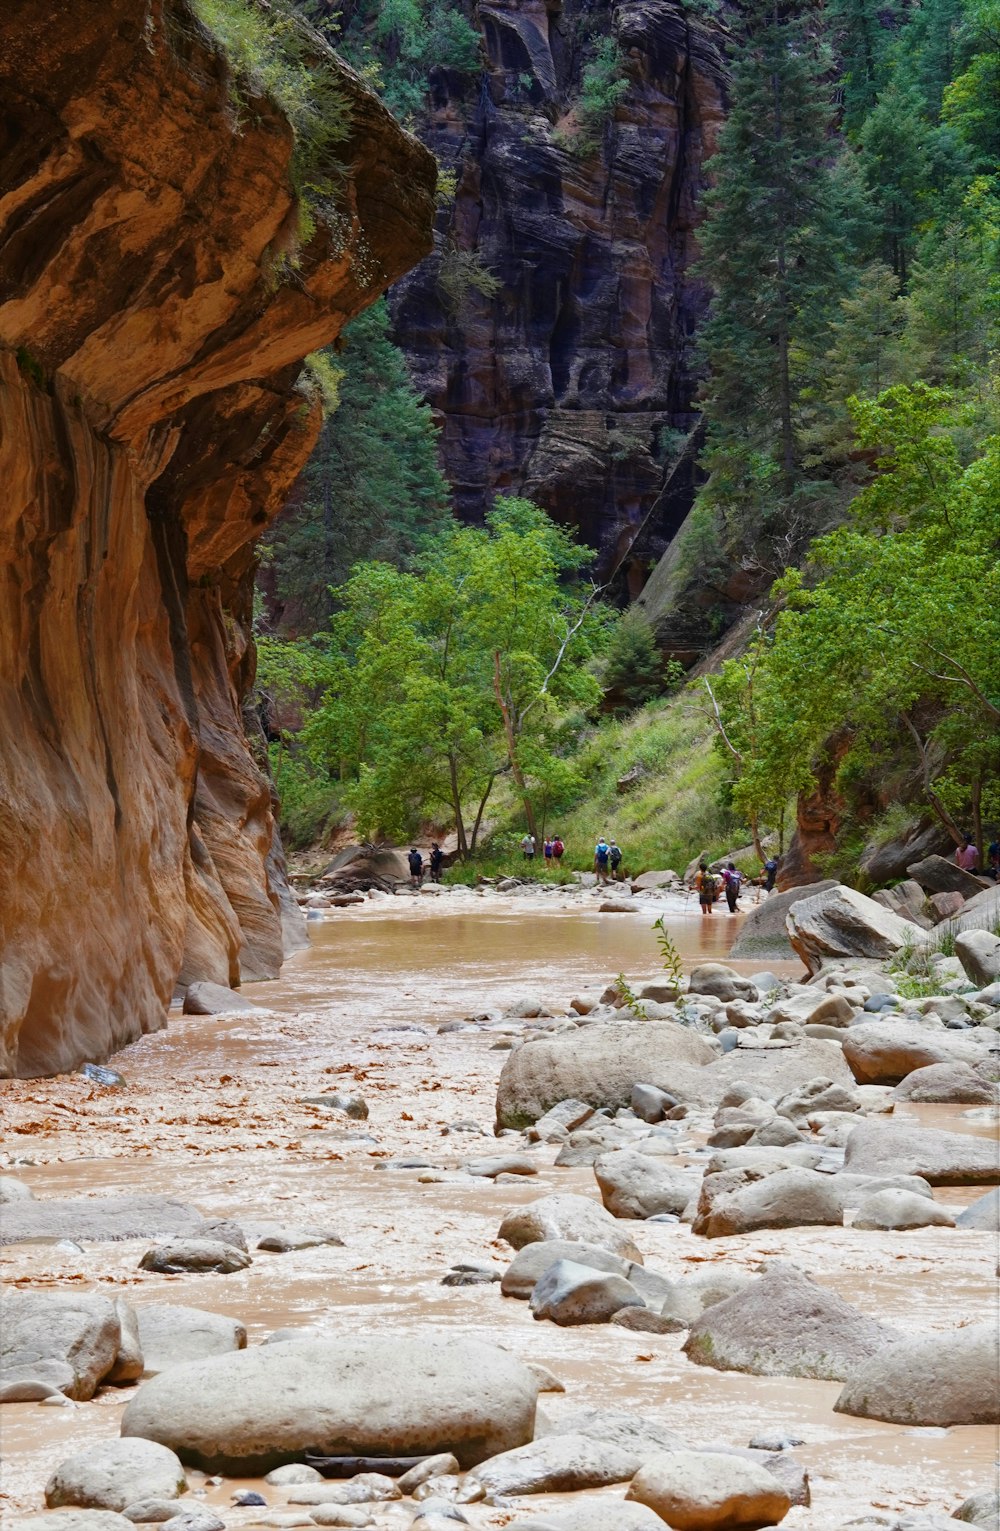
(707, 887)
(602, 857)
(416, 867)
(528, 847)
(731, 881)
(967, 857)
(437, 861)
(615, 858)
(770, 873)
(557, 848)
(547, 848)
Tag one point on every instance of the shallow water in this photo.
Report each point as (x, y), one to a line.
(213, 1113)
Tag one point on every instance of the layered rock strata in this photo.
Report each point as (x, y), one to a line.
(154, 309)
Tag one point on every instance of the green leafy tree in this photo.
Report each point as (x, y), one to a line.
(398, 43)
(894, 159)
(371, 490)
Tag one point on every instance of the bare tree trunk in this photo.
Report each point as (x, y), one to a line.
(933, 800)
(977, 819)
(515, 767)
(456, 804)
(480, 811)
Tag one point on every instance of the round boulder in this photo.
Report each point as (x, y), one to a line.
(635, 1185)
(110, 1475)
(932, 1379)
(722, 982)
(574, 1294)
(706, 1491)
(253, 1410)
(566, 1216)
(891, 1210)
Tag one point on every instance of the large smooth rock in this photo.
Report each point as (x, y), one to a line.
(568, 1294)
(941, 1158)
(979, 953)
(387, 1395)
(775, 1069)
(195, 1255)
(956, 1082)
(840, 922)
(886, 1051)
(111, 1475)
(557, 1464)
(533, 1260)
(635, 1185)
(722, 981)
(565, 1216)
(981, 912)
(129, 1362)
(96, 1218)
(740, 1201)
(689, 1298)
(982, 1214)
(934, 1379)
(939, 874)
(981, 1509)
(909, 901)
(68, 1339)
(602, 1514)
(12, 1189)
(215, 999)
(785, 1325)
(76, 1520)
(709, 1491)
(763, 932)
(901, 1209)
(598, 1065)
(171, 1334)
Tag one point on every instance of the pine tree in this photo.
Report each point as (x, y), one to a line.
(894, 160)
(775, 249)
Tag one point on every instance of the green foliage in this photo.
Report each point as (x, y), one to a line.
(398, 43)
(310, 800)
(630, 999)
(671, 956)
(461, 273)
(30, 367)
(326, 377)
(633, 670)
(602, 86)
(372, 489)
(274, 54)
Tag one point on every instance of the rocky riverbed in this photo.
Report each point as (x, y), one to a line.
(719, 1259)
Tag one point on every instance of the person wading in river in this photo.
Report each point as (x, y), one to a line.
(602, 857)
(707, 887)
(437, 862)
(416, 862)
(615, 858)
(732, 880)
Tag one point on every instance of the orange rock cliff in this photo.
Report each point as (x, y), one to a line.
(154, 315)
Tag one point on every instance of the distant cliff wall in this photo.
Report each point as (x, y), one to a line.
(152, 419)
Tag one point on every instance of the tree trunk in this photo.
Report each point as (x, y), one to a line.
(784, 370)
(977, 819)
(515, 768)
(456, 804)
(480, 811)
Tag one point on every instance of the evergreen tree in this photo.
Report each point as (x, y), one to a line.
(371, 490)
(775, 250)
(894, 160)
(861, 36)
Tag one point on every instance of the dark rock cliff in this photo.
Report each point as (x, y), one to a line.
(151, 423)
(574, 383)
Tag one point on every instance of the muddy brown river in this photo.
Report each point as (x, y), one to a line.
(213, 1113)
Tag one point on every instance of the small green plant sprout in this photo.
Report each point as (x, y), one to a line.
(631, 999)
(668, 951)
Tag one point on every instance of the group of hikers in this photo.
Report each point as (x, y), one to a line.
(435, 864)
(607, 855)
(553, 847)
(709, 885)
(967, 857)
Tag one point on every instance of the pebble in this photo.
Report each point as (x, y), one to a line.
(202, 1519)
(245, 1496)
(776, 1440)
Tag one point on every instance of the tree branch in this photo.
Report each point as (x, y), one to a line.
(730, 746)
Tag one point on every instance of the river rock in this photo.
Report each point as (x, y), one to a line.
(501, 1164)
(651, 1104)
(86, 1219)
(818, 1095)
(12, 1189)
(384, 1395)
(344, 1514)
(785, 1325)
(937, 874)
(840, 922)
(284, 1241)
(981, 912)
(722, 982)
(362, 1488)
(763, 932)
(956, 1082)
(568, 1293)
(215, 999)
(557, 1464)
(886, 1051)
(690, 1297)
(76, 1520)
(983, 1214)
(195, 1255)
(740, 1201)
(338, 1100)
(199, 1517)
(293, 1473)
(933, 1379)
(980, 1509)
(598, 1065)
(563, 1117)
(129, 1362)
(110, 1475)
(941, 1158)
(813, 1007)
(633, 1185)
(600, 1515)
(565, 1216)
(772, 1071)
(893, 1210)
(533, 1260)
(979, 953)
(68, 1340)
(709, 1491)
(171, 1335)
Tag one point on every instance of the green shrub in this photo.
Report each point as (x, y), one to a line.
(602, 86)
(309, 798)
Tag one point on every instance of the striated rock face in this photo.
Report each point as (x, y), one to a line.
(151, 422)
(574, 384)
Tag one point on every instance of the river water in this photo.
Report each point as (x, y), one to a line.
(213, 1113)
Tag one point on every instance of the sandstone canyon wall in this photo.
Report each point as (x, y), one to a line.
(574, 383)
(152, 419)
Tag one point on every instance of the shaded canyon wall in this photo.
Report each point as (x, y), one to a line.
(152, 419)
(575, 382)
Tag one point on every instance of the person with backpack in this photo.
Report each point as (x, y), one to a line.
(770, 873)
(437, 862)
(732, 881)
(602, 858)
(707, 886)
(416, 862)
(547, 850)
(557, 848)
(615, 858)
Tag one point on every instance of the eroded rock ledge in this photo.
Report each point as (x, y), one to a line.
(151, 420)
